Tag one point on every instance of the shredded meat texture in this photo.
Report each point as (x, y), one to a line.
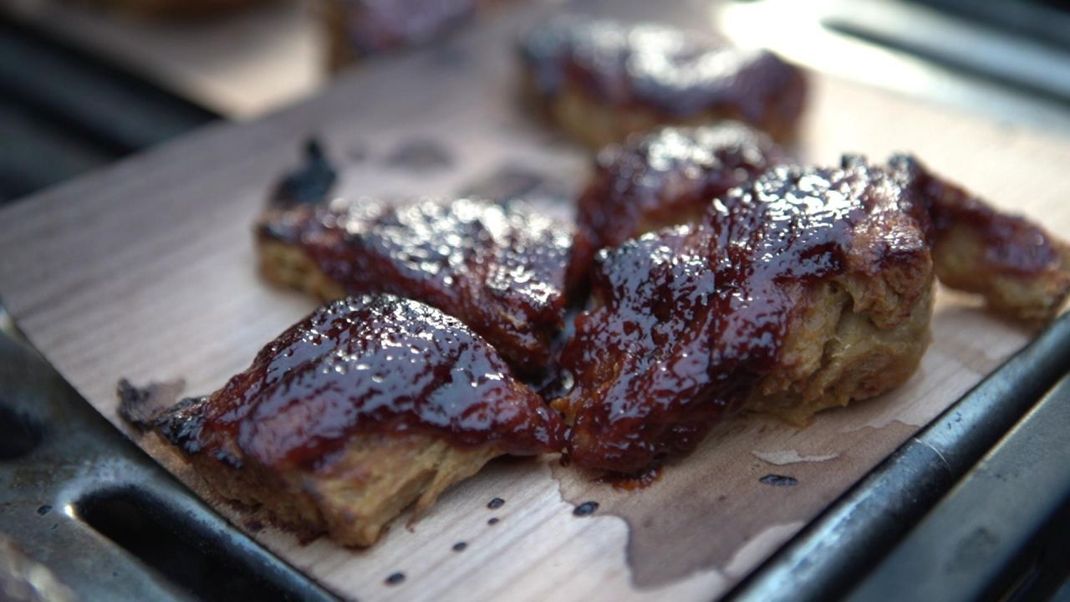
(502, 272)
(601, 81)
(665, 178)
(368, 405)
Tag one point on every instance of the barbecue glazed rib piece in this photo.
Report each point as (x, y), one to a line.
(661, 179)
(365, 407)
(670, 176)
(800, 290)
(1021, 270)
(803, 290)
(601, 81)
(500, 272)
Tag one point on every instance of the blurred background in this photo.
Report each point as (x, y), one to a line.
(83, 83)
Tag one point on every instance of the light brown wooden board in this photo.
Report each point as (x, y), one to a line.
(240, 65)
(147, 271)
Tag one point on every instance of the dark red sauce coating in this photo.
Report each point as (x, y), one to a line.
(1012, 244)
(632, 482)
(373, 364)
(661, 69)
(502, 272)
(661, 179)
(692, 317)
(374, 26)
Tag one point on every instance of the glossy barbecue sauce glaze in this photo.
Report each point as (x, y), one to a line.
(1012, 244)
(690, 318)
(665, 178)
(501, 272)
(661, 69)
(373, 364)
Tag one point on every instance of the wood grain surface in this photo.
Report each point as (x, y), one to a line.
(147, 271)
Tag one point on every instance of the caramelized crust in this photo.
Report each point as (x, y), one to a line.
(760, 300)
(348, 417)
(501, 272)
(601, 81)
(662, 179)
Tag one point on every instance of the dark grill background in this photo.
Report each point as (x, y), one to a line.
(62, 113)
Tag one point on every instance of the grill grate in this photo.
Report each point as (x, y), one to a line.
(104, 517)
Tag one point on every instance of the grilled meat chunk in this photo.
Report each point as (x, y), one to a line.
(1021, 270)
(670, 176)
(502, 272)
(365, 407)
(601, 81)
(802, 290)
(799, 290)
(665, 178)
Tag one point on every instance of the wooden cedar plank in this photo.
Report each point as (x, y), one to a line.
(147, 271)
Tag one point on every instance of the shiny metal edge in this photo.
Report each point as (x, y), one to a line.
(74, 454)
(1001, 533)
(836, 550)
